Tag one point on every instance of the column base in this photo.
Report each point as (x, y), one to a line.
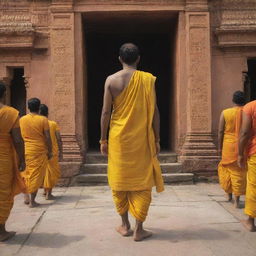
(199, 156)
(72, 159)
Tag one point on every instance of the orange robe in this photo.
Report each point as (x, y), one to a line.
(53, 169)
(250, 200)
(32, 130)
(232, 178)
(133, 168)
(10, 178)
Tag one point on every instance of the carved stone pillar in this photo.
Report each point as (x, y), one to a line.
(199, 153)
(63, 82)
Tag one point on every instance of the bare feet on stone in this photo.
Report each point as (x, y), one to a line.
(249, 225)
(237, 204)
(4, 236)
(26, 199)
(33, 204)
(140, 235)
(229, 197)
(124, 230)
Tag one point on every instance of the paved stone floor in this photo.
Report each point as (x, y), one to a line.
(186, 220)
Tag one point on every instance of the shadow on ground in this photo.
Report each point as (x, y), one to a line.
(176, 236)
(46, 240)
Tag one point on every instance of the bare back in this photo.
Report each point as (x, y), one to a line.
(119, 81)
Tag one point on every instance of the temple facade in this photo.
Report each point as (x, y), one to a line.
(61, 51)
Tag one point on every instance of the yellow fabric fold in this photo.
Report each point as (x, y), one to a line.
(132, 161)
(11, 182)
(232, 178)
(32, 130)
(53, 169)
(250, 200)
(136, 202)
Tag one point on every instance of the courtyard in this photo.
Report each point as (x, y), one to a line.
(193, 220)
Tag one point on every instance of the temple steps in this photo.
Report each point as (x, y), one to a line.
(102, 179)
(94, 171)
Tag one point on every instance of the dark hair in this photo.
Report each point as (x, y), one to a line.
(34, 104)
(239, 98)
(43, 110)
(2, 89)
(129, 53)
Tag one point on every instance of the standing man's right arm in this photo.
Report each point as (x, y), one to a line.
(221, 133)
(19, 145)
(47, 138)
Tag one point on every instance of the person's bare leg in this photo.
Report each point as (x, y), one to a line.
(229, 197)
(33, 203)
(140, 233)
(237, 202)
(49, 195)
(4, 235)
(26, 199)
(125, 228)
(249, 224)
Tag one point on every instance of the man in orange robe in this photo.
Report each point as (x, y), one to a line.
(53, 168)
(11, 143)
(232, 178)
(38, 149)
(248, 140)
(133, 145)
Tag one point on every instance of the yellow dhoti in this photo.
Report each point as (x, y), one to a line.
(53, 168)
(133, 168)
(232, 178)
(250, 200)
(137, 202)
(10, 180)
(32, 129)
(52, 173)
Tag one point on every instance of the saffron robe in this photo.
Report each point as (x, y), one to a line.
(11, 182)
(53, 169)
(232, 178)
(32, 130)
(250, 199)
(133, 167)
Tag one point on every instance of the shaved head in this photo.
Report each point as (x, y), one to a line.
(129, 53)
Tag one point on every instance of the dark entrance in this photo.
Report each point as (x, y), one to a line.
(155, 39)
(18, 91)
(250, 80)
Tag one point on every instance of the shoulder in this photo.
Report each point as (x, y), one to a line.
(11, 110)
(52, 123)
(250, 107)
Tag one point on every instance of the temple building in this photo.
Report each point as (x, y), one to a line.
(61, 51)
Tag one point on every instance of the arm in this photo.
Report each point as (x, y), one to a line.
(19, 147)
(59, 141)
(48, 143)
(221, 133)
(105, 116)
(156, 128)
(244, 138)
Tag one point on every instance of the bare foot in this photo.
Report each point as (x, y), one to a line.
(229, 197)
(237, 204)
(124, 231)
(50, 197)
(248, 225)
(141, 235)
(6, 235)
(33, 204)
(26, 199)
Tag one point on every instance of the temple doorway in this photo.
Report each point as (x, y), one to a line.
(154, 33)
(18, 91)
(250, 82)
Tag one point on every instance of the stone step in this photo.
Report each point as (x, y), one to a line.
(102, 168)
(94, 157)
(94, 179)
